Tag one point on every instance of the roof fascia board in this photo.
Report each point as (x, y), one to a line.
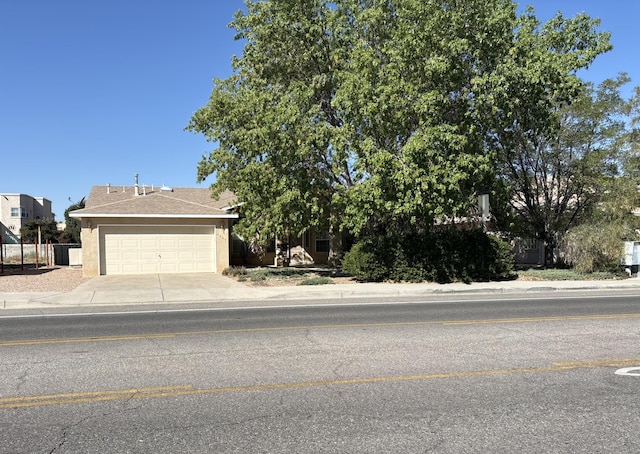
(231, 207)
(164, 216)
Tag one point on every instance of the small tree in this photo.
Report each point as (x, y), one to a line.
(48, 231)
(560, 173)
(597, 243)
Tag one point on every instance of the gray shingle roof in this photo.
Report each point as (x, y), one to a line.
(112, 201)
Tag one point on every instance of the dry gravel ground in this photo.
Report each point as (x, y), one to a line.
(44, 279)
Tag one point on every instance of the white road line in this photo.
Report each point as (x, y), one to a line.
(629, 371)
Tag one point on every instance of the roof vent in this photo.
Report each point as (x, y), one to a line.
(166, 189)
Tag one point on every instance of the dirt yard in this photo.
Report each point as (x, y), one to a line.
(51, 279)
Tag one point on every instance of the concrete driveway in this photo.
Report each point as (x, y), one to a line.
(151, 288)
(185, 281)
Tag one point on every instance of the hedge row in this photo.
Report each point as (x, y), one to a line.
(445, 255)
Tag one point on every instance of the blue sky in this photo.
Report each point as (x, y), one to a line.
(92, 92)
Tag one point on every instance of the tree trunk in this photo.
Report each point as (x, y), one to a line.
(550, 245)
(336, 246)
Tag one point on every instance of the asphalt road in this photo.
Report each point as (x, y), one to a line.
(535, 375)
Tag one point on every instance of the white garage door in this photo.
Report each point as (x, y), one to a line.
(157, 249)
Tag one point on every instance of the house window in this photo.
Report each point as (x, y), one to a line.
(304, 241)
(322, 242)
(19, 212)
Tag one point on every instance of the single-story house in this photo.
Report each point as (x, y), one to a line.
(143, 230)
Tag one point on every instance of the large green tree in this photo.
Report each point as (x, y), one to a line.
(380, 115)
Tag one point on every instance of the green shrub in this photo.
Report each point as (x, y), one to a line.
(444, 255)
(259, 275)
(316, 281)
(500, 265)
(366, 260)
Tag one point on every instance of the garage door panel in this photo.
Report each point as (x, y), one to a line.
(148, 255)
(200, 256)
(169, 256)
(172, 243)
(189, 255)
(202, 243)
(157, 249)
(143, 243)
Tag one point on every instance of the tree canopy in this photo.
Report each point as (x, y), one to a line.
(72, 228)
(608, 213)
(383, 115)
(48, 231)
(559, 174)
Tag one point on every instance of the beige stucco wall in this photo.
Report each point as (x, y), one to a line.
(35, 207)
(89, 239)
(90, 229)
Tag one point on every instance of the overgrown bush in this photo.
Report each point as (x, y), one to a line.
(444, 255)
(595, 247)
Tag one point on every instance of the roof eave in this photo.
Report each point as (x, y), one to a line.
(163, 216)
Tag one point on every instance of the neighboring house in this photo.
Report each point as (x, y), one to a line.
(312, 248)
(18, 209)
(142, 230)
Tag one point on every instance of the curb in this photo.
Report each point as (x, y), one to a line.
(268, 295)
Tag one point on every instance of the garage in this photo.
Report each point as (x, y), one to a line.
(145, 249)
(154, 230)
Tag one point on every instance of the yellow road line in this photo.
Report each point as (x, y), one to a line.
(75, 340)
(598, 363)
(188, 390)
(315, 327)
(95, 396)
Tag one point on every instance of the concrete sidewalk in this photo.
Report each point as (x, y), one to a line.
(221, 291)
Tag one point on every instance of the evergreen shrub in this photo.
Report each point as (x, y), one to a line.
(444, 255)
(368, 259)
